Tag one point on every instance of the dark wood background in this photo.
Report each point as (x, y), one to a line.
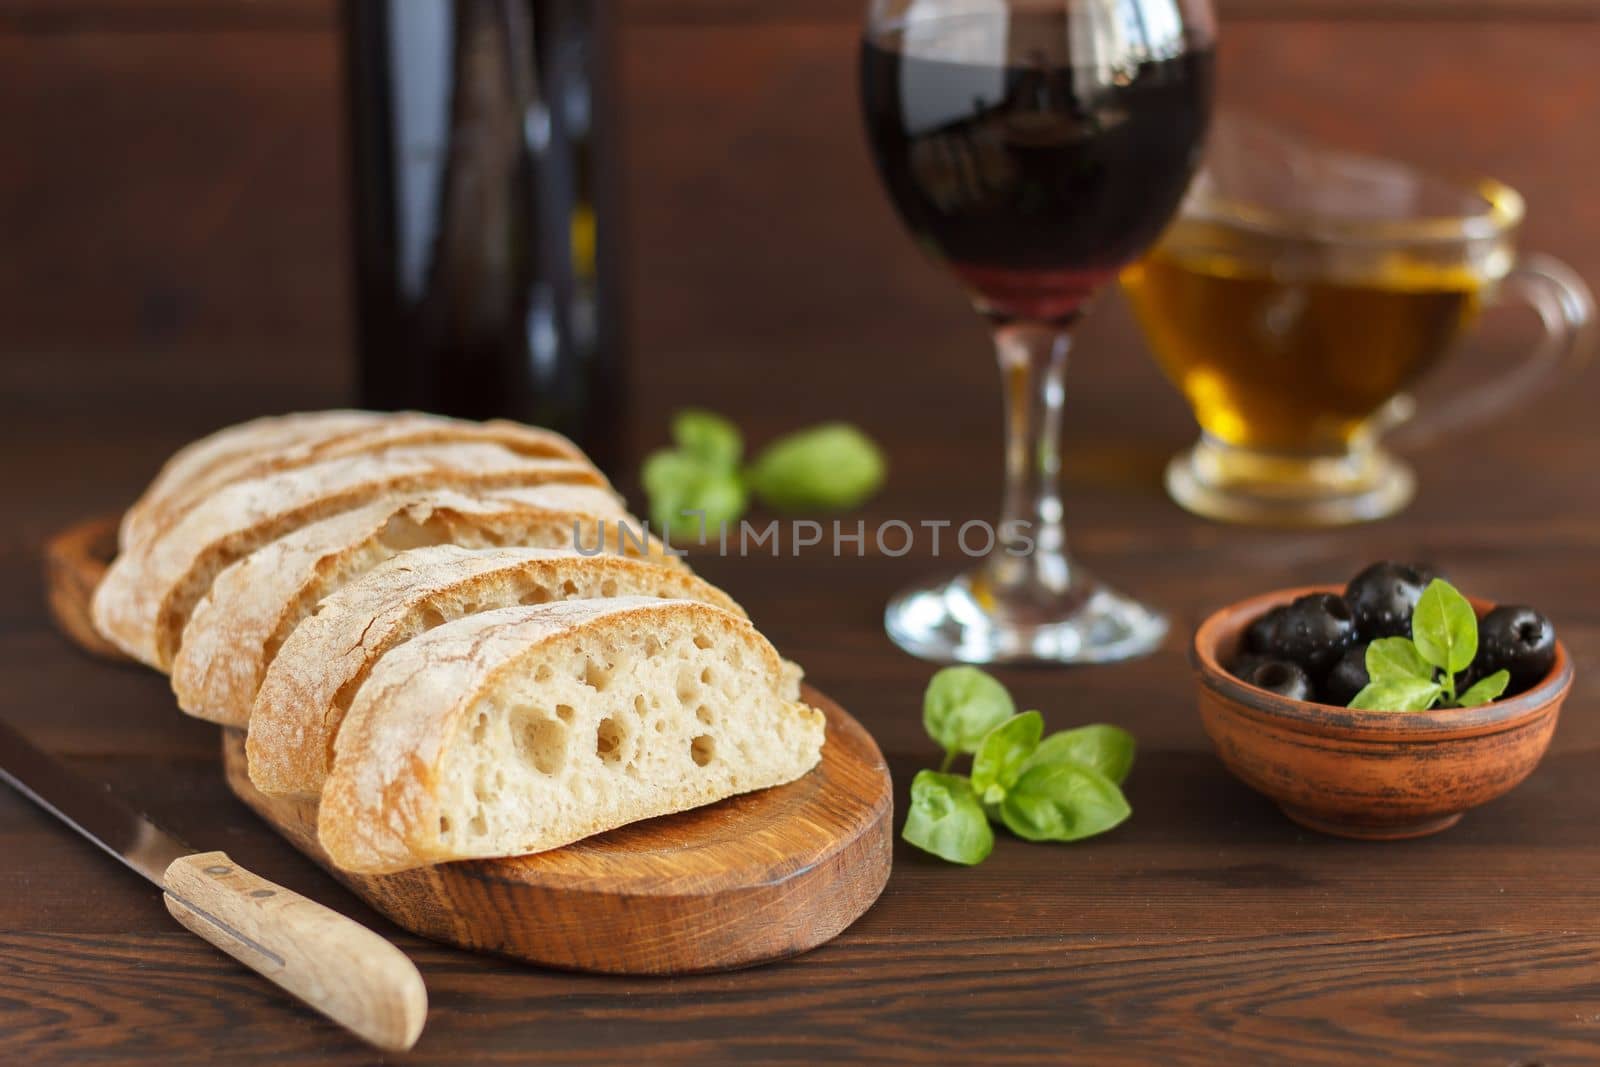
(173, 260)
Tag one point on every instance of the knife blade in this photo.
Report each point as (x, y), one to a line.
(93, 812)
(332, 963)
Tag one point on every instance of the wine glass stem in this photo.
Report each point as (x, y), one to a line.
(1033, 362)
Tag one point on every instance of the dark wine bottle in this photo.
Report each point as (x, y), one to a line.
(483, 213)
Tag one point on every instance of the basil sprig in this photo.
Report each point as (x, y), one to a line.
(1422, 671)
(1061, 787)
(829, 467)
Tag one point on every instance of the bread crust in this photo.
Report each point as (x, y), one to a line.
(236, 629)
(380, 808)
(144, 601)
(232, 444)
(307, 689)
(292, 442)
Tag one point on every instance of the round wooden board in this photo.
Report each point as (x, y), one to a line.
(74, 562)
(748, 880)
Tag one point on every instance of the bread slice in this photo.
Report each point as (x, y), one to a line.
(527, 728)
(310, 686)
(237, 627)
(229, 445)
(145, 599)
(291, 442)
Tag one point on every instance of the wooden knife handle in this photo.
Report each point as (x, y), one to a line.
(334, 964)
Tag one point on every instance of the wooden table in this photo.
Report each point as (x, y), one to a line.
(174, 263)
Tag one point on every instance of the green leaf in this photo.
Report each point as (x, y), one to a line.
(832, 466)
(1396, 658)
(1107, 749)
(708, 438)
(707, 496)
(1399, 694)
(1485, 690)
(1003, 753)
(668, 478)
(1444, 627)
(961, 704)
(666, 470)
(701, 475)
(721, 496)
(1063, 802)
(946, 819)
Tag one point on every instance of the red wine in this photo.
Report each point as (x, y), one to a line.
(483, 211)
(1035, 180)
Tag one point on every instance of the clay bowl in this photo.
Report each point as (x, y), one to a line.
(1367, 774)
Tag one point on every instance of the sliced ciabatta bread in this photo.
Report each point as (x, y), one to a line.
(320, 668)
(523, 729)
(235, 630)
(310, 440)
(145, 599)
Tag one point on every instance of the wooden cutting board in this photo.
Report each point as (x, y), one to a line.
(744, 881)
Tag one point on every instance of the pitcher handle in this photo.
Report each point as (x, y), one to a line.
(1567, 310)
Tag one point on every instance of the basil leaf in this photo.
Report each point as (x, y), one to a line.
(708, 438)
(667, 471)
(946, 819)
(1444, 627)
(667, 477)
(1003, 753)
(707, 497)
(721, 496)
(961, 704)
(1107, 749)
(1396, 658)
(833, 466)
(1399, 694)
(1063, 802)
(1485, 690)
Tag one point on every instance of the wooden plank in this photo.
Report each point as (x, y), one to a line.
(1325, 999)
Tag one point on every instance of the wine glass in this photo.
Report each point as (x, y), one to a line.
(1035, 147)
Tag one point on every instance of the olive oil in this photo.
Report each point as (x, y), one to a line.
(1278, 349)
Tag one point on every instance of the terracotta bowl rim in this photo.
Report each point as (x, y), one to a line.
(1328, 720)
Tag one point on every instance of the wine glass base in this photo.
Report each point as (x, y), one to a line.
(1232, 484)
(956, 621)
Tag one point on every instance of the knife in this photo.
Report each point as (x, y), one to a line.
(334, 964)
